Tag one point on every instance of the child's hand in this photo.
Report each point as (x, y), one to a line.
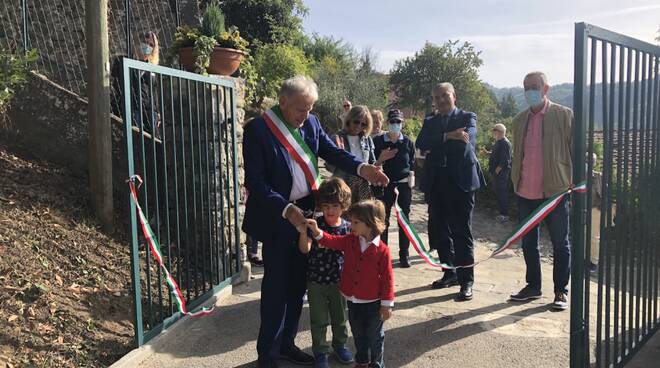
(385, 313)
(312, 225)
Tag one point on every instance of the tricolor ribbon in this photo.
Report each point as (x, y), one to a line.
(294, 143)
(525, 227)
(154, 247)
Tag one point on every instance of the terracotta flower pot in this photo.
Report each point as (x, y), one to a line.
(224, 61)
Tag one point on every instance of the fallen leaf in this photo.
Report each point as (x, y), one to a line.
(59, 280)
(75, 288)
(12, 318)
(45, 328)
(31, 312)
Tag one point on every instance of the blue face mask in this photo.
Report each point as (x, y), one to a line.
(145, 49)
(395, 128)
(533, 97)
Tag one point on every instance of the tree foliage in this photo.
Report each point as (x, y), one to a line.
(273, 64)
(341, 73)
(413, 78)
(266, 21)
(508, 106)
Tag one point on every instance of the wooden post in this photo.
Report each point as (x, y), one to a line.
(98, 93)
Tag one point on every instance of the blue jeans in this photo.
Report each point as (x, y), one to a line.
(558, 226)
(368, 333)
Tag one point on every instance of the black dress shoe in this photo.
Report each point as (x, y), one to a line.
(448, 280)
(465, 293)
(403, 262)
(297, 356)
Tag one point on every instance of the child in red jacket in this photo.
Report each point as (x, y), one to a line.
(367, 281)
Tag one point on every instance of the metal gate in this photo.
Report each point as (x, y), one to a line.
(617, 224)
(181, 139)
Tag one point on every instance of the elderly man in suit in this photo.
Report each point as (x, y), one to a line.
(542, 166)
(280, 150)
(451, 176)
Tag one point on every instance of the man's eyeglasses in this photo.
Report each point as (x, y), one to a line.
(356, 122)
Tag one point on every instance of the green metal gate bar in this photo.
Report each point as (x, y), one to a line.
(181, 138)
(620, 215)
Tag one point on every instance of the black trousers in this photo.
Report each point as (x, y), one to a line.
(501, 188)
(449, 226)
(405, 198)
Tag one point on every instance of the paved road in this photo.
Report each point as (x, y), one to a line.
(428, 329)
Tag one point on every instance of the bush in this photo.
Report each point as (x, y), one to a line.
(13, 74)
(273, 64)
(213, 21)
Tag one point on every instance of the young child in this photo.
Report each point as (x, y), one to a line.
(323, 271)
(367, 281)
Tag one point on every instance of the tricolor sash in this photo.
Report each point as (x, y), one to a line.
(294, 144)
(154, 247)
(526, 226)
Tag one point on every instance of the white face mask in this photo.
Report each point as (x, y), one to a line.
(395, 128)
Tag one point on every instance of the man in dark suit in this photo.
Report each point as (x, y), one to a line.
(452, 175)
(280, 185)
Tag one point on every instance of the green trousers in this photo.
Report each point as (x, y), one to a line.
(326, 307)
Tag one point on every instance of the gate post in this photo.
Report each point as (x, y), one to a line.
(579, 353)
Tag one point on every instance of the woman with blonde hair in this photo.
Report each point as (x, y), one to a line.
(377, 117)
(355, 138)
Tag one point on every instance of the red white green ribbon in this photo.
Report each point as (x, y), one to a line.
(525, 227)
(154, 247)
(294, 143)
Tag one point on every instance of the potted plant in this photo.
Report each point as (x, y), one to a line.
(211, 48)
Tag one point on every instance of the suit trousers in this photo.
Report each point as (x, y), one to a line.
(450, 222)
(282, 291)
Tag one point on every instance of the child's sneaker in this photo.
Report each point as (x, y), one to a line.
(321, 361)
(344, 355)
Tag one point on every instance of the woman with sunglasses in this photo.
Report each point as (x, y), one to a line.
(355, 139)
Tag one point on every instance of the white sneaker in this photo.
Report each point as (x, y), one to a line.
(561, 302)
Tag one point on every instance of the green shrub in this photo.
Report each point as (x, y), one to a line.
(274, 63)
(213, 21)
(13, 74)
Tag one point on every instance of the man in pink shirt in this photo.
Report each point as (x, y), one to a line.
(542, 167)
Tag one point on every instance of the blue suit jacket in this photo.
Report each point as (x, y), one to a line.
(458, 157)
(268, 175)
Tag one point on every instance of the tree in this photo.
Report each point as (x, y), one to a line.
(343, 74)
(273, 64)
(413, 78)
(266, 21)
(507, 106)
(318, 48)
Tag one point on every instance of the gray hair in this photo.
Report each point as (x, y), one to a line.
(500, 127)
(541, 75)
(299, 85)
(445, 85)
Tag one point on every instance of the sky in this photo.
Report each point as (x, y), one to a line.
(514, 36)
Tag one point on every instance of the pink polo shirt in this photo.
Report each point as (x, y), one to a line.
(531, 173)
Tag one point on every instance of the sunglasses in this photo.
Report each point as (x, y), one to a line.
(356, 122)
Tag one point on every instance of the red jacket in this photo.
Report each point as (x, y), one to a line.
(366, 276)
